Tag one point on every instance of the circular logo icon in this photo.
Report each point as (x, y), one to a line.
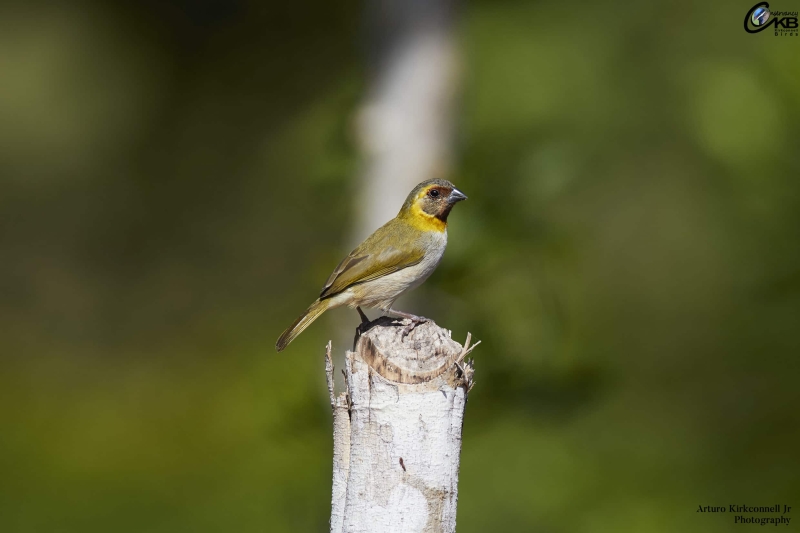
(760, 16)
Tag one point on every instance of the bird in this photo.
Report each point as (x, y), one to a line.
(396, 258)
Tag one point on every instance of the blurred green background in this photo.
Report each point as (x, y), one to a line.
(177, 181)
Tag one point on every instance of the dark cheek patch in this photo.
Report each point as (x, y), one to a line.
(439, 206)
(443, 211)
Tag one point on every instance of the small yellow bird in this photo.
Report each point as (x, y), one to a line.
(398, 257)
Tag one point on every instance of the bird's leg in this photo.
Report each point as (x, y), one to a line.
(361, 327)
(415, 320)
(401, 314)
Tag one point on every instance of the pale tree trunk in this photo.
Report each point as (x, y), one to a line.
(397, 430)
(405, 125)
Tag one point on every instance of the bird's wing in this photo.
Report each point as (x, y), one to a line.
(379, 255)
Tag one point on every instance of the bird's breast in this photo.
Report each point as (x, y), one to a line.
(382, 292)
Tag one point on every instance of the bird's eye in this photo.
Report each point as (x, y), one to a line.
(433, 193)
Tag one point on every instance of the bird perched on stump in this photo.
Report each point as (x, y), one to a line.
(398, 257)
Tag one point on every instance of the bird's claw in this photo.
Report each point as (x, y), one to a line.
(410, 327)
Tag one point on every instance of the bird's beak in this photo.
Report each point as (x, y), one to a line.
(456, 196)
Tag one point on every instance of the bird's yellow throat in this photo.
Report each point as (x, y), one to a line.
(422, 220)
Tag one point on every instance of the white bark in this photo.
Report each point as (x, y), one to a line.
(405, 126)
(341, 447)
(397, 431)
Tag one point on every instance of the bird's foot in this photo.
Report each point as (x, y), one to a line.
(415, 321)
(409, 328)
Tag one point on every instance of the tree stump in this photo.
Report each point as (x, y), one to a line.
(397, 430)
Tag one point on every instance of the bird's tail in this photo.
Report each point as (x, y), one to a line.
(305, 320)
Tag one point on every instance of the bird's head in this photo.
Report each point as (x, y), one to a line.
(431, 202)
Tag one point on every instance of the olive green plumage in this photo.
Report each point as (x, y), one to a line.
(400, 255)
(393, 246)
